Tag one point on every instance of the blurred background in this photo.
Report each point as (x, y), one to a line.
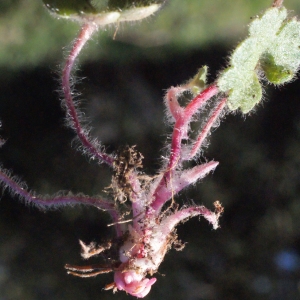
(256, 252)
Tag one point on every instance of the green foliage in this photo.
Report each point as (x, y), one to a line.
(29, 36)
(282, 58)
(198, 82)
(274, 46)
(66, 8)
(103, 12)
(275, 73)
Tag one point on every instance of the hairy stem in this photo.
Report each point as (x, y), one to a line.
(72, 115)
(184, 121)
(182, 179)
(207, 128)
(179, 132)
(15, 187)
(173, 220)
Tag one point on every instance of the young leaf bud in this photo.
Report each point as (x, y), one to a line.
(198, 82)
(274, 73)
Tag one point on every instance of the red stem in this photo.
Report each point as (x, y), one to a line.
(207, 128)
(184, 120)
(178, 133)
(18, 188)
(85, 34)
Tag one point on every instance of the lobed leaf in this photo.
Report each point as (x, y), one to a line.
(282, 58)
(273, 45)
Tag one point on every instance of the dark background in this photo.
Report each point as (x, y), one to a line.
(256, 252)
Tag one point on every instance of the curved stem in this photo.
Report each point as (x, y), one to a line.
(16, 187)
(72, 115)
(170, 222)
(184, 120)
(179, 132)
(19, 188)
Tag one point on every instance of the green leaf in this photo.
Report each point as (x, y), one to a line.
(243, 96)
(282, 59)
(272, 44)
(67, 8)
(103, 12)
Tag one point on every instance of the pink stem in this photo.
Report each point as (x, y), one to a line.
(137, 199)
(198, 101)
(207, 128)
(85, 34)
(18, 188)
(170, 222)
(179, 132)
(172, 103)
(186, 178)
(183, 122)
